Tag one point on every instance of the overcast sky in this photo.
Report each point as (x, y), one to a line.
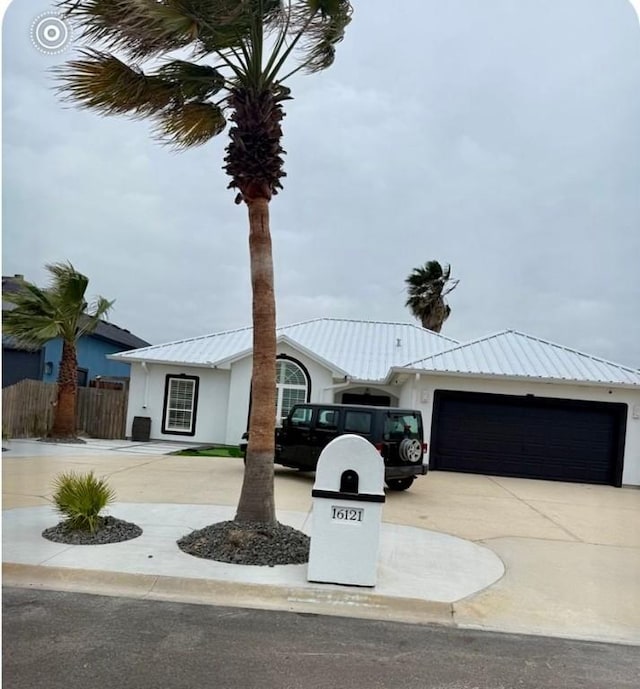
(500, 136)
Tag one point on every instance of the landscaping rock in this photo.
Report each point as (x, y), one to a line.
(248, 543)
(110, 530)
(71, 440)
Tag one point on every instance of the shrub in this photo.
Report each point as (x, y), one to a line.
(80, 497)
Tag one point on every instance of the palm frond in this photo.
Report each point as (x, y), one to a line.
(224, 24)
(326, 29)
(100, 81)
(60, 310)
(139, 28)
(233, 19)
(32, 321)
(194, 82)
(67, 283)
(94, 314)
(30, 330)
(432, 270)
(191, 124)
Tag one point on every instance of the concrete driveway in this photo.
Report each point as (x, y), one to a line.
(571, 552)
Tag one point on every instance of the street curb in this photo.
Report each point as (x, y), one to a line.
(314, 600)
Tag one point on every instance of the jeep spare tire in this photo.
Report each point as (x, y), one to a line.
(410, 450)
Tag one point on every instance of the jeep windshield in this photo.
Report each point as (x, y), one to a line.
(400, 425)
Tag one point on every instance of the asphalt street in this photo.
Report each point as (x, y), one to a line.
(60, 640)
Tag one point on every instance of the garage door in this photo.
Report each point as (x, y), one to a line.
(532, 437)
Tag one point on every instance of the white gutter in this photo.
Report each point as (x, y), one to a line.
(338, 386)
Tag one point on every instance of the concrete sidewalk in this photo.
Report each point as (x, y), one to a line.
(571, 552)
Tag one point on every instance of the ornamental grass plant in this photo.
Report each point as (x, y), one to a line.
(80, 498)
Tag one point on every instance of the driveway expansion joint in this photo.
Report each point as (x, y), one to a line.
(542, 514)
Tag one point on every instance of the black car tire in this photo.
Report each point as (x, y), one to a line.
(399, 483)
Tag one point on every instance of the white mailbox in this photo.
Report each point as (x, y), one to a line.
(348, 495)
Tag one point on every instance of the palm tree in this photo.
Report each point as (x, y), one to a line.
(427, 287)
(61, 310)
(240, 54)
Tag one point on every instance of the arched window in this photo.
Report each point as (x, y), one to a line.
(292, 386)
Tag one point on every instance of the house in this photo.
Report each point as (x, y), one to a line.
(43, 363)
(507, 404)
(19, 362)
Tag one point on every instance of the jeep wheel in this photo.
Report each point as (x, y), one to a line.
(399, 483)
(410, 450)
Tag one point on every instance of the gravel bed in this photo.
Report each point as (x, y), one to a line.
(63, 441)
(110, 530)
(248, 543)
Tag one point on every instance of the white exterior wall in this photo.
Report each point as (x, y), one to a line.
(239, 395)
(213, 398)
(419, 393)
(240, 389)
(410, 398)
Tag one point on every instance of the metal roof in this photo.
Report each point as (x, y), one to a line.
(363, 350)
(114, 333)
(366, 350)
(515, 354)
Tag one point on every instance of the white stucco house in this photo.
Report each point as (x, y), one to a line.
(507, 404)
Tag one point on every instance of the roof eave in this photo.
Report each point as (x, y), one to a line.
(115, 341)
(161, 362)
(335, 370)
(517, 378)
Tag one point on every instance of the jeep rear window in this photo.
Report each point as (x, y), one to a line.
(301, 416)
(401, 426)
(357, 422)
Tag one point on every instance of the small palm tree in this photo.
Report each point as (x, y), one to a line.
(61, 310)
(240, 52)
(427, 286)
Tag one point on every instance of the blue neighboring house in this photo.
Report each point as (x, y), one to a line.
(43, 364)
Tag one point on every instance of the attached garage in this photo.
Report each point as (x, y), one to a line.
(529, 437)
(514, 405)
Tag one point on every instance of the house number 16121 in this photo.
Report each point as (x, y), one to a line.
(347, 514)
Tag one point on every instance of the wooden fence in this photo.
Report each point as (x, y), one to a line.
(27, 410)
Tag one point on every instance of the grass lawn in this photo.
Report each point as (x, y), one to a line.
(218, 451)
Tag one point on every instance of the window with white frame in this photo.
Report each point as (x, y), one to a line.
(181, 396)
(292, 387)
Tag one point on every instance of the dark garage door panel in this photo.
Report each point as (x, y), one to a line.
(529, 437)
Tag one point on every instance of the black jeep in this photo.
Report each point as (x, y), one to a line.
(396, 433)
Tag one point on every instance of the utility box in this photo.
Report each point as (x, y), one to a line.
(348, 495)
(141, 429)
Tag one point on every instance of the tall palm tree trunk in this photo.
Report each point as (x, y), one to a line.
(256, 498)
(64, 418)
